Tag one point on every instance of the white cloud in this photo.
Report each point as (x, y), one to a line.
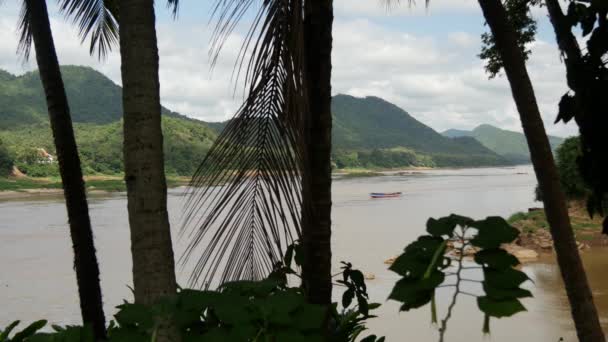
(379, 8)
(436, 78)
(440, 82)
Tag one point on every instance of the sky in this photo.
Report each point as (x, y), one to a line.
(422, 59)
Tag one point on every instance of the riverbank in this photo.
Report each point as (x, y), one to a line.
(375, 172)
(535, 229)
(19, 187)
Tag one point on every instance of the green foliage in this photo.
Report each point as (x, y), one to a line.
(239, 311)
(572, 182)
(424, 266)
(266, 310)
(509, 144)
(518, 13)
(100, 147)
(381, 158)
(587, 77)
(6, 160)
(26, 334)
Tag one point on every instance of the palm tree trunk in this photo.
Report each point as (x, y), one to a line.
(579, 294)
(151, 247)
(85, 260)
(316, 229)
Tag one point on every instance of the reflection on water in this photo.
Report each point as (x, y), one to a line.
(37, 281)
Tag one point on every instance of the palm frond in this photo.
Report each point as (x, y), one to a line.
(97, 20)
(246, 205)
(173, 5)
(392, 4)
(25, 31)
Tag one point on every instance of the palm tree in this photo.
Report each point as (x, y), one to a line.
(583, 309)
(151, 246)
(35, 26)
(316, 228)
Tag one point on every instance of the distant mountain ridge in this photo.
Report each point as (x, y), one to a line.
(509, 144)
(372, 123)
(368, 132)
(371, 132)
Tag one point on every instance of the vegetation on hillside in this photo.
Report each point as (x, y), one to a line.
(6, 160)
(509, 144)
(97, 111)
(100, 147)
(371, 132)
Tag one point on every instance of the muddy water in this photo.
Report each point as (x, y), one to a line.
(37, 281)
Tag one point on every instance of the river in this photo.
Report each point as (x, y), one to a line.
(37, 280)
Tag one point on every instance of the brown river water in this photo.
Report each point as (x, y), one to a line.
(37, 281)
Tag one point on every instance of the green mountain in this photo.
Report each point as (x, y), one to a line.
(95, 103)
(368, 132)
(371, 132)
(509, 144)
(373, 125)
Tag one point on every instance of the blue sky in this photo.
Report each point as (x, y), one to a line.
(422, 59)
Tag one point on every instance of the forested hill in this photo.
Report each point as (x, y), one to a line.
(95, 103)
(509, 144)
(371, 132)
(93, 97)
(368, 132)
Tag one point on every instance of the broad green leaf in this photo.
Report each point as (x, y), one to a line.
(446, 225)
(374, 306)
(416, 293)
(347, 297)
(407, 266)
(4, 334)
(29, 331)
(500, 308)
(357, 277)
(363, 306)
(496, 258)
(424, 248)
(492, 232)
(509, 278)
(501, 293)
(135, 315)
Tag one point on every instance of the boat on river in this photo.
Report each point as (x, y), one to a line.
(385, 194)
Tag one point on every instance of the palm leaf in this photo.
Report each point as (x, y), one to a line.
(245, 208)
(25, 30)
(97, 19)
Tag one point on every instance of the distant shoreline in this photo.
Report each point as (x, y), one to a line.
(28, 187)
